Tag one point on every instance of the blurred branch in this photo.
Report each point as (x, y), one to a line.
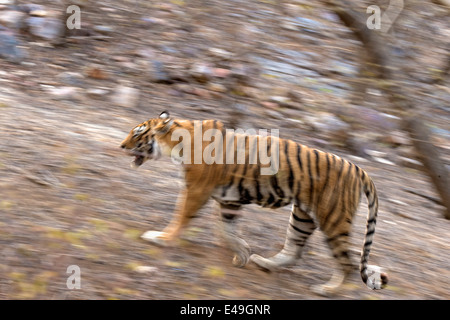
(443, 3)
(432, 199)
(418, 131)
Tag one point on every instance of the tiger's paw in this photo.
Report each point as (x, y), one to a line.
(263, 263)
(323, 290)
(242, 255)
(377, 277)
(155, 237)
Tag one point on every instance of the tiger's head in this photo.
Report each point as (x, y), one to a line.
(142, 142)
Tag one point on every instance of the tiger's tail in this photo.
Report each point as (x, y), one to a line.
(371, 275)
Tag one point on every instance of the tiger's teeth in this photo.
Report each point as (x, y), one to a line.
(133, 165)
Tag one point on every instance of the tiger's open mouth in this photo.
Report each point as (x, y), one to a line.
(138, 160)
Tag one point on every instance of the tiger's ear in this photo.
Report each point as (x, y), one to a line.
(166, 123)
(165, 116)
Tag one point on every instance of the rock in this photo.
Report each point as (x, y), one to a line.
(38, 13)
(97, 93)
(274, 114)
(374, 119)
(376, 154)
(220, 53)
(12, 19)
(331, 128)
(221, 72)
(158, 73)
(145, 269)
(201, 72)
(383, 161)
(269, 105)
(217, 87)
(64, 93)
(396, 139)
(253, 93)
(147, 53)
(294, 96)
(282, 101)
(9, 47)
(357, 145)
(203, 93)
(71, 78)
(185, 88)
(240, 72)
(30, 7)
(126, 96)
(96, 72)
(104, 29)
(410, 163)
(329, 123)
(407, 152)
(50, 29)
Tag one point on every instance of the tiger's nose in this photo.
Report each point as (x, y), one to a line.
(122, 145)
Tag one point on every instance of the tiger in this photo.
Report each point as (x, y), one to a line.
(323, 188)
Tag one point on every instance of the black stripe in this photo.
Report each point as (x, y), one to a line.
(177, 124)
(317, 164)
(297, 196)
(345, 191)
(302, 220)
(311, 182)
(253, 150)
(299, 160)
(300, 230)
(344, 234)
(278, 204)
(370, 232)
(370, 221)
(299, 151)
(291, 174)
(368, 243)
(372, 203)
(327, 175)
(228, 216)
(269, 201)
(335, 198)
(276, 187)
(226, 187)
(256, 175)
(354, 194)
(243, 192)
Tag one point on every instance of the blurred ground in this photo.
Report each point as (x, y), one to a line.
(69, 197)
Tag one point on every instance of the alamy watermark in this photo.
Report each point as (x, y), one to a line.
(383, 22)
(74, 280)
(228, 147)
(74, 20)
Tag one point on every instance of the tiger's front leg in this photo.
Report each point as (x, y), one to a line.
(227, 228)
(189, 202)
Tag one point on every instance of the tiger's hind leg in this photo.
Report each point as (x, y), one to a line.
(227, 227)
(301, 226)
(339, 245)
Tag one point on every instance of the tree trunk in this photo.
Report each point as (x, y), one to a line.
(417, 129)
